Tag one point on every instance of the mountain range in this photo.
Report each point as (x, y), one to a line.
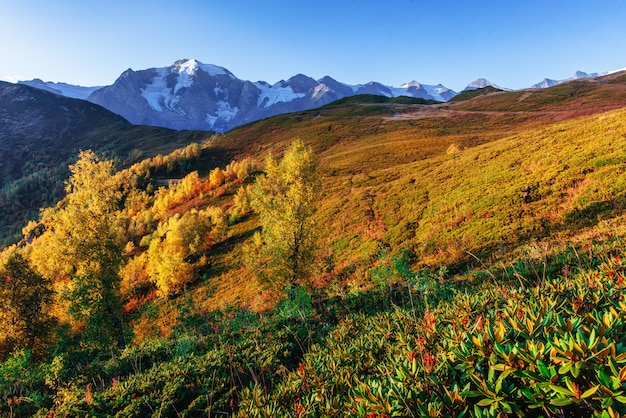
(193, 95)
(547, 82)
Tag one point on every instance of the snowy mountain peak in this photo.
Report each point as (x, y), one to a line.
(547, 82)
(191, 67)
(187, 66)
(411, 83)
(582, 74)
(481, 83)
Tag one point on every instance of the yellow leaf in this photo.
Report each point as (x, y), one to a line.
(499, 332)
(476, 341)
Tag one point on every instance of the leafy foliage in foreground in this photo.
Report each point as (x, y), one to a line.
(426, 346)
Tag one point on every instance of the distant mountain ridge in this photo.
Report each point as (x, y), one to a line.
(547, 82)
(62, 89)
(193, 95)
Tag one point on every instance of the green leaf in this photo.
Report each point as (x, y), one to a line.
(543, 369)
(565, 368)
(529, 394)
(499, 367)
(576, 368)
(613, 365)
(485, 402)
(498, 387)
(603, 378)
(506, 407)
(589, 392)
(561, 390)
(561, 402)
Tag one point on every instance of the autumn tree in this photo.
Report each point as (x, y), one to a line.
(241, 203)
(85, 241)
(285, 198)
(177, 241)
(25, 299)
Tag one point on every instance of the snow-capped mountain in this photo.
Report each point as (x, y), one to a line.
(193, 95)
(62, 89)
(547, 82)
(423, 91)
(481, 83)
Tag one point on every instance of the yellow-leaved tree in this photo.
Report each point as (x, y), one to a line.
(285, 198)
(84, 241)
(177, 241)
(25, 299)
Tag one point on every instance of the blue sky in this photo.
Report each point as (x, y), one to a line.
(512, 43)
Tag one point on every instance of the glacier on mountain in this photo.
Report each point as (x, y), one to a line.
(156, 93)
(224, 113)
(276, 93)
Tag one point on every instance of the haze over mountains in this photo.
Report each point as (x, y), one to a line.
(193, 95)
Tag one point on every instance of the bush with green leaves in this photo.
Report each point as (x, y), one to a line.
(553, 349)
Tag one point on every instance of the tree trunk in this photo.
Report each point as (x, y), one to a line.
(121, 342)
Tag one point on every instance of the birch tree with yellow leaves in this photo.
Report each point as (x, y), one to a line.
(84, 241)
(285, 198)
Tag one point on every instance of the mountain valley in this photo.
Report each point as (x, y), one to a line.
(41, 134)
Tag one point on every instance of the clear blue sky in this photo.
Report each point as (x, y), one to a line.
(512, 43)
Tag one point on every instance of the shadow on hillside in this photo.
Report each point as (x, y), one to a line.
(220, 251)
(533, 268)
(592, 214)
(369, 303)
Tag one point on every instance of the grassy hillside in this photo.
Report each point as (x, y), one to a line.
(580, 96)
(436, 290)
(442, 201)
(470, 94)
(444, 181)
